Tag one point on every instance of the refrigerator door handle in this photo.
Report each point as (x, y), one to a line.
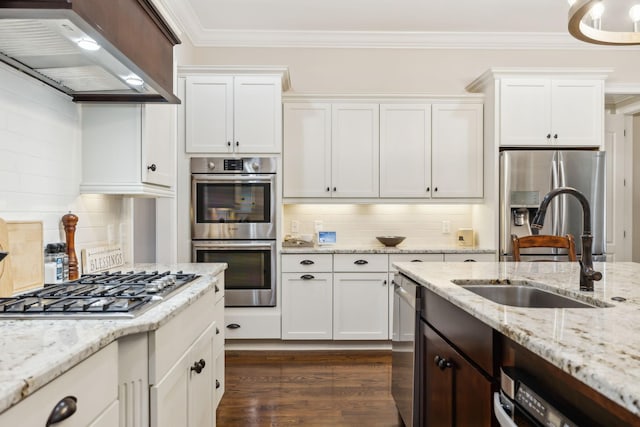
(562, 200)
(555, 183)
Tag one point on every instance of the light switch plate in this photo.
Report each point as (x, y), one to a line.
(446, 227)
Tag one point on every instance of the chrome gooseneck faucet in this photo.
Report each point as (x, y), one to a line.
(587, 273)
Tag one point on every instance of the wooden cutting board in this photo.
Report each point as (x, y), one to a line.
(26, 257)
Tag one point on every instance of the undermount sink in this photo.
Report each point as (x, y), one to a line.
(520, 294)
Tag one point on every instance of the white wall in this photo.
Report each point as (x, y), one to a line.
(40, 171)
(360, 224)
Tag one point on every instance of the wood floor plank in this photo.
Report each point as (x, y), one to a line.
(308, 388)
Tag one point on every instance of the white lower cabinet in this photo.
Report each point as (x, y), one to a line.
(308, 298)
(345, 296)
(95, 405)
(360, 306)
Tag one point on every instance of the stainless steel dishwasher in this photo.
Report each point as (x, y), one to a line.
(404, 349)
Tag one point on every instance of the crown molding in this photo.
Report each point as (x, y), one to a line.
(402, 98)
(279, 70)
(388, 39)
(494, 73)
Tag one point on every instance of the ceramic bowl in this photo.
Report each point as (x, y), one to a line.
(390, 240)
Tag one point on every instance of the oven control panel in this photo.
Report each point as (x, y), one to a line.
(539, 409)
(233, 165)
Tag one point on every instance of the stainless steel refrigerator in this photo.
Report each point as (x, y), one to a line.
(527, 175)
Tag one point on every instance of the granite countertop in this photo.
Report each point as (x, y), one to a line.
(35, 352)
(598, 346)
(379, 249)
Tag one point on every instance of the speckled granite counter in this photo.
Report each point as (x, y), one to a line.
(34, 352)
(598, 346)
(379, 249)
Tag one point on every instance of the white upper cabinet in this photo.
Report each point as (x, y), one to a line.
(457, 151)
(538, 112)
(128, 149)
(233, 114)
(405, 150)
(331, 150)
(354, 150)
(307, 150)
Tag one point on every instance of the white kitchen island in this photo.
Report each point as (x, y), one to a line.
(42, 355)
(599, 347)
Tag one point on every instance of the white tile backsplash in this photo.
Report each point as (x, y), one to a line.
(358, 224)
(40, 152)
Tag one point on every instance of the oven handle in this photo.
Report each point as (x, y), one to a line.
(227, 246)
(242, 179)
(504, 420)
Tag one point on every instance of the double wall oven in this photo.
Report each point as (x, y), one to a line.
(233, 205)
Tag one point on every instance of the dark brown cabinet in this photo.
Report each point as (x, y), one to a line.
(455, 392)
(456, 367)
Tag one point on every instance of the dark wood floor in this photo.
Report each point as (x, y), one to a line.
(344, 388)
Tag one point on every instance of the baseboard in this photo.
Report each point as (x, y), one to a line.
(262, 345)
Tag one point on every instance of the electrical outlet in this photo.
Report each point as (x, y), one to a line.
(446, 227)
(317, 225)
(295, 226)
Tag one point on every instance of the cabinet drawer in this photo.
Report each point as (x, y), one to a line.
(100, 369)
(307, 262)
(414, 258)
(469, 257)
(247, 325)
(468, 334)
(360, 262)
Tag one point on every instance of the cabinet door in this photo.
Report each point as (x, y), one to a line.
(577, 110)
(307, 150)
(457, 154)
(455, 393)
(525, 116)
(355, 150)
(307, 300)
(158, 144)
(185, 397)
(201, 392)
(405, 150)
(257, 114)
(209, 114)
(360, 306)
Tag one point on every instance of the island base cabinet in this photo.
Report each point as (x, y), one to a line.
(94, 384)
(185, 396)
(455, 392)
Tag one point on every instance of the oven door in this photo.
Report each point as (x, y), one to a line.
(250, 277)
(233, 206)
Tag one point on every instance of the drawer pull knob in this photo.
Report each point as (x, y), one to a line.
(198, 366)
(217, 331)
(307, 277)
(152, 168)
(63, 410)
(233, 326)
(307, 262)
(361, 262)
(384, 283)
(217, 384)
(442, 363)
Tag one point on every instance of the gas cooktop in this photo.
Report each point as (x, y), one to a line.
(111, 295)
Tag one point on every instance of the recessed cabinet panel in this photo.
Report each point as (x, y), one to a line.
(457, 165)
(525, 117)
(405, 150)
(257, 115)
(209, 114)
(159, 155)
(307, 300)
(307, 150)
(355, 150)
(578, 112)
(360, 306)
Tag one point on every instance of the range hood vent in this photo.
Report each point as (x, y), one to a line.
(132, 58)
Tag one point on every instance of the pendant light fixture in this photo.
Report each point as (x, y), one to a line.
(585, 23)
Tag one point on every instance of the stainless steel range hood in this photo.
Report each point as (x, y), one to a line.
(131, 55)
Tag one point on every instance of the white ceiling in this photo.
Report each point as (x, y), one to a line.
(380, 23)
